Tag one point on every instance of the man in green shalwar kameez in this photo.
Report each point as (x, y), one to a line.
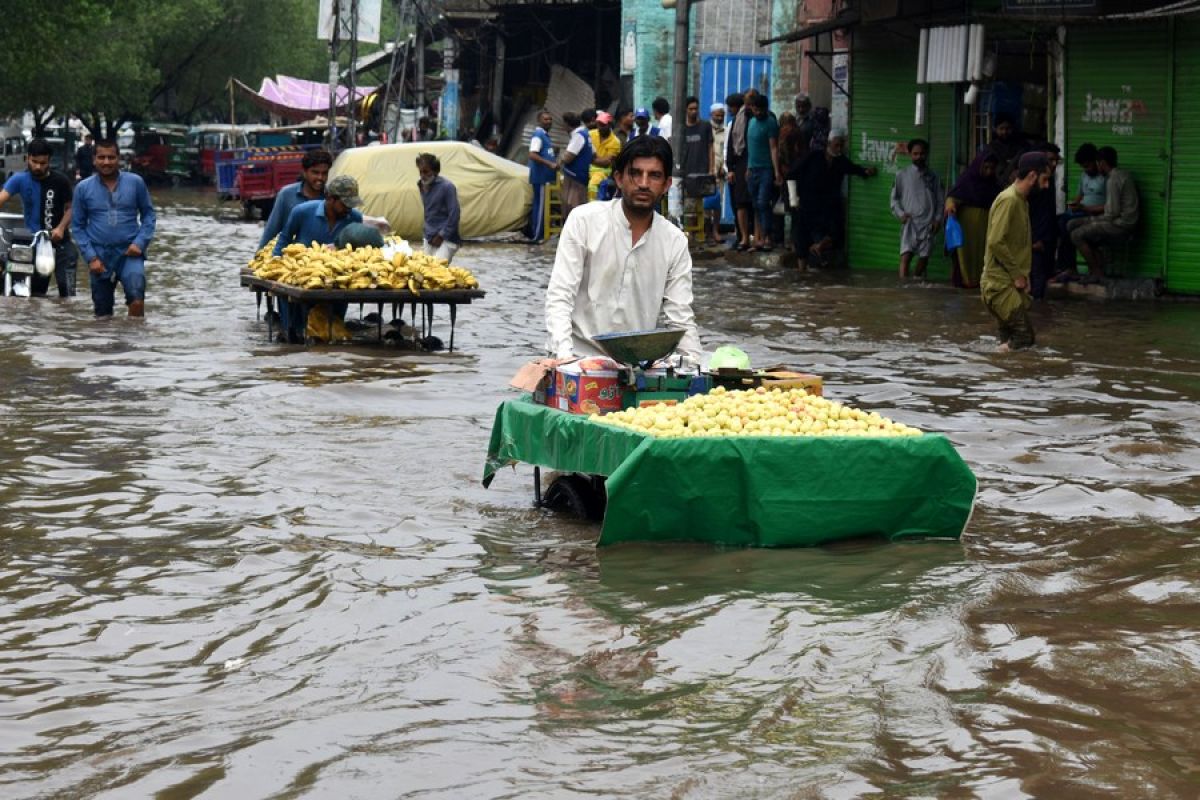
(1009, 254)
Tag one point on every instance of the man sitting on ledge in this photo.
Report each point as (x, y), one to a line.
(1116, 224)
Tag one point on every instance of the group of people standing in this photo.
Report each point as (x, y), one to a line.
(1003, 228)
(596, 137)
(795, 164)
(108, 217)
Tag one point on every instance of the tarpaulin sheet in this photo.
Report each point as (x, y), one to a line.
(746, 491)
(493, 192)
(298, 99)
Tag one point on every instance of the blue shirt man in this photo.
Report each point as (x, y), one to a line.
(314, 172)
(113, 222)
(543, 169)
(311, 222)
(316, 222)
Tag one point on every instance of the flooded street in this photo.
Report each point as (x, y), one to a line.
(237, 569)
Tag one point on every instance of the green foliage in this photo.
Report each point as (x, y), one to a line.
(118, 60)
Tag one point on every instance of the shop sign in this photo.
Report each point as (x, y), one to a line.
(628, 47)
(880, 152)
(1119, 113)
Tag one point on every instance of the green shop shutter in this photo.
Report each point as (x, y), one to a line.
(1183, 238)
(883, 91)
(1117, 78)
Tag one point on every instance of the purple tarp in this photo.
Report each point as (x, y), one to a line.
(298, 99)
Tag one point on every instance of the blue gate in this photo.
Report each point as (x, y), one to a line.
(722, 74)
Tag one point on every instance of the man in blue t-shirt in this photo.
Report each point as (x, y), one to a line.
(314, 171)
(543, 169)
(46, 198)
(762, 167)
(316, 222)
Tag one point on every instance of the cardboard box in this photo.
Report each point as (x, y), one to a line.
(812, 384)
(588, 388)
(537, 378)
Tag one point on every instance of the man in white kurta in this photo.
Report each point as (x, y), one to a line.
(917, 200)
(621, 266)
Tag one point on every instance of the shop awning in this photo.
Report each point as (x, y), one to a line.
(296, 99)
(816, 29)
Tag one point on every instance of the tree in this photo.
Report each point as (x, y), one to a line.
(111, 62)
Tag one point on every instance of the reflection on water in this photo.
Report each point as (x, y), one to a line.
(239, 569)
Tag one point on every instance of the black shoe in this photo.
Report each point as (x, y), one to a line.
(354, 325)
(432, 344)
(373, 318)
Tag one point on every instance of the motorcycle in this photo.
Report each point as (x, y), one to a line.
(26, 258)
(16, 253)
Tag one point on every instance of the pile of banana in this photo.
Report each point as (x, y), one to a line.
(359, 268)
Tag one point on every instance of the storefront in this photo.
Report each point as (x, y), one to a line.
(1129, 82)
(1013, 75)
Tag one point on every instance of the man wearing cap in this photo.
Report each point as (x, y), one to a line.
(1008, 256)
(641, 123)
(712, 203)
(819, 178)
(606, 144)
(576, 164)
(620, 266)
(316, 222)
(543, 169)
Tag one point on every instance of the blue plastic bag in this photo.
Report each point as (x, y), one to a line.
(954, 234)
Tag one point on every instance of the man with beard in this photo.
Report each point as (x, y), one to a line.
(439, 199)
(917, 200)
(46, 198)
(819, 180)
(314, 172)
(1009, 255)
(620, 265)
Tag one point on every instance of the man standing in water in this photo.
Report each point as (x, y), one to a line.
(113, 222)
(917, 200)
(1009, 254)
(46, 202)
(619, 264)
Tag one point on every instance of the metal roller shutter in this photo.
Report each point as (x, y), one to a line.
(1117, 94)
(883, 89)
(1183, 240)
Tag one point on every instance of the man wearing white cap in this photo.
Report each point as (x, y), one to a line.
(712, 203)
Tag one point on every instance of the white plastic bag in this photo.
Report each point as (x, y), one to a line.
(43, 257)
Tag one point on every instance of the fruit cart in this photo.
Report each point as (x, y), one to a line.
(396, 298)
(740, 491)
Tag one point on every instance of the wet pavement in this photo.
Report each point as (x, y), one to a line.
(241, 569)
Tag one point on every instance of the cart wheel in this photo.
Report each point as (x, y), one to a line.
(581, 495)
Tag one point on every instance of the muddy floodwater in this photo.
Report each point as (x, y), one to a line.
(238, 569)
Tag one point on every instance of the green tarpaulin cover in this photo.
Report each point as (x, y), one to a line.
(751, 491)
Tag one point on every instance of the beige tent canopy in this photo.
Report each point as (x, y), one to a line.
(494, 192)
